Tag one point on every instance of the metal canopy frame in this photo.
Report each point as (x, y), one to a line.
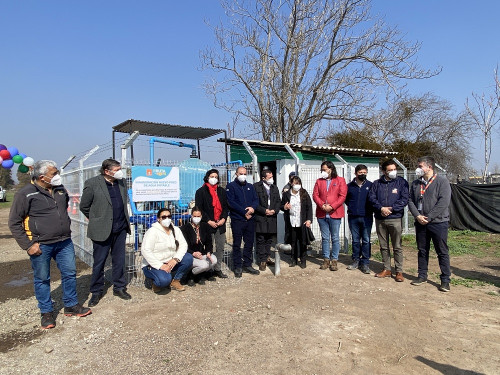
(157, 129)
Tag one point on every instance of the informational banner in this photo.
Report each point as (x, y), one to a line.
(155, 184)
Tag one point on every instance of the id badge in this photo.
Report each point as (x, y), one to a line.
(420, 204)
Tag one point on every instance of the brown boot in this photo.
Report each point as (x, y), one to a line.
(262, 266)
(399, 277)
(155, 288)
(176, 285)
(325, 265)
(384, 273)
(333, 265)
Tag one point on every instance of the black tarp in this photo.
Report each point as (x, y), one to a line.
(475, 207)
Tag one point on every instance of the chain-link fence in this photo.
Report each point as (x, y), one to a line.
(143, 214)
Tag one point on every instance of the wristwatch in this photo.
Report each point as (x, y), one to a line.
(177, 260)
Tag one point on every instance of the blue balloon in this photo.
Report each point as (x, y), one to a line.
(23, 155)
(7, 164)
(13, 151)
(2, 147)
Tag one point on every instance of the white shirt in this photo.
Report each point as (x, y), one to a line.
(295, 210)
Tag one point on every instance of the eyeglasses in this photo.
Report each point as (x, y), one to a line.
(163, 217)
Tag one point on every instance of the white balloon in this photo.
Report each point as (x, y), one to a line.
(28, 161)
(1, 159)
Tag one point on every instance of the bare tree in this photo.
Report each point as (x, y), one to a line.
(287, 65)
(414, 126)
(485, 113)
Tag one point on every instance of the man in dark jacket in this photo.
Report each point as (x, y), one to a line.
(360, 219)
(430, 196)
(389, 196)
(266, 217)
(243, 201)
(104, 202)
(40, 224)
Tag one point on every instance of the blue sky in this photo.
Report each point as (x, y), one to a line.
(70, 70)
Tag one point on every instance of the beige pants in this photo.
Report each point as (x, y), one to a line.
(390, 229)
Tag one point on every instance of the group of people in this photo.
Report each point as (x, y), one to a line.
(175, 256)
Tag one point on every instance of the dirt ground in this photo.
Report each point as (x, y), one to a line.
(302, 322)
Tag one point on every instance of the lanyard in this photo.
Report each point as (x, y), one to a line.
(422, 189)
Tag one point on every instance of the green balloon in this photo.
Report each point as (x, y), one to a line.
(23, 168)
(18, 159)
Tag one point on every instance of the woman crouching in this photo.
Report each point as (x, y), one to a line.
(199, 239)
(164, 252)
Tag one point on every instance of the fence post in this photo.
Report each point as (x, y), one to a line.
(347, 176)
(405, 175)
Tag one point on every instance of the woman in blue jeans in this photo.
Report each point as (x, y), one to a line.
(329, 194)
(164, 253)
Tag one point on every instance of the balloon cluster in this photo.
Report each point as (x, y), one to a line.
(11, 155)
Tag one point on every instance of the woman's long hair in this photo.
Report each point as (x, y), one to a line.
(171, 227)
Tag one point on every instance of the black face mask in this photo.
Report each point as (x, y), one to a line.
(361, 177)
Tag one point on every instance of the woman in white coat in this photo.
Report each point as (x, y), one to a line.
(164, 253)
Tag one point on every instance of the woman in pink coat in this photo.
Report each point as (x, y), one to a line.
(329, 195)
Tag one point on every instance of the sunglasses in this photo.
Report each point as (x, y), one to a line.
(163, 217)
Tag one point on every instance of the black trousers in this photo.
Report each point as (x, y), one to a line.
(243, 230)
(298, 247)
(438, 234)
(116, 244)
(264, 241)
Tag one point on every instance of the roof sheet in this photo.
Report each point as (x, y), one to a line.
(157, 129)
(310, 148)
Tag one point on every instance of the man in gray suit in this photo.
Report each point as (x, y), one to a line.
(104, 203)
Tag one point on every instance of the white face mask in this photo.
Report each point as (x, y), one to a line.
(118, 175)
(270, 181)
(392, 174)
(56, 180)
(242, 177)
(296, 187)
(166, 222)
(212, 181)
(324, 174)
(419, 172)
(196, 220)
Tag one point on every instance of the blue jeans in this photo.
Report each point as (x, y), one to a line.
(163, 279)
(63, 253)
(330, 230)
(361, 228)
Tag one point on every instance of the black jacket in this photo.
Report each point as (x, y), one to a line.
(306, 213)
(38, 216)
(203, 199)
(205, 246)
(264, 223)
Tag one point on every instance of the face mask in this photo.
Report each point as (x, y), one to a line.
(212, 181)
(362, 177)
(118, 175)
(392, 174)
(242, 177)
(56, 180)
(324, 174)
(270, 181)
(166, 222)
(296, 187)
(196, 220)
(419, 172)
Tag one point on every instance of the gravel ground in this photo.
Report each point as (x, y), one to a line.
(303, 322)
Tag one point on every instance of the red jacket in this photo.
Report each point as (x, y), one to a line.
(335, 196)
